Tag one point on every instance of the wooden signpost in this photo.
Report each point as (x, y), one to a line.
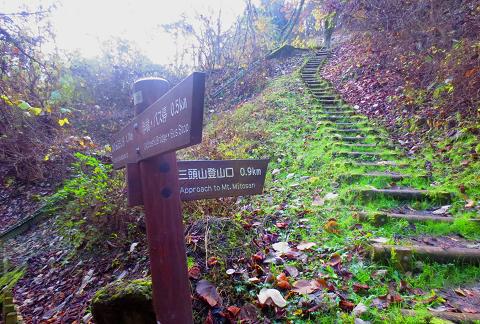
(166, 121)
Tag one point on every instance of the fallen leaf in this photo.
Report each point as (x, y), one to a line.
(248, 314)
(305, 286)
(306, 246)
(281, 225)
(470, 73)
(209, 293)
(357, 287)
(281, 247)
(330, 196)
(275, 171)
(292, 271)
(359, 310)
(346, 305)
(269, 296)
(470, 204)
(212, 261)
(335, 259)
(332, 226)
(318, 201)
(441, 210)
(283, 284)
(230, 271)
(381, 240)
(194, 272)
(234, 310)
(460, 292)
(253, 280)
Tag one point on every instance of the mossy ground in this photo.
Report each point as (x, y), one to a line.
(285, 125)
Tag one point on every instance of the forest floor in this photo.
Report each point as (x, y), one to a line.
(302, 251)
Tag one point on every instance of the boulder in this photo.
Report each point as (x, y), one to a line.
(124, 302)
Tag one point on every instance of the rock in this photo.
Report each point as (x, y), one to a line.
(124, 302)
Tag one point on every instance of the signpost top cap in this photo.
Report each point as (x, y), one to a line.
(148, 90)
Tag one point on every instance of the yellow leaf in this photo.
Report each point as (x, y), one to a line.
(36, 111)
(108, 148)
(46, 157)
(48, 109)
(63, 121)
(7, 101)
(313, 179)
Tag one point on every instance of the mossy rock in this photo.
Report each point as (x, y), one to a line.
(124, 302)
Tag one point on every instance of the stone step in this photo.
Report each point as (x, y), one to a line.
(379, 164)
(325, 95)
(365, 154)
(355, 130)
(405, 255)
(352, 138)
(376, 174)
(322, 93)
(337, 108)
(339, 112)
(346, 123)
(403, 194)
(381, 218)
(366, 146)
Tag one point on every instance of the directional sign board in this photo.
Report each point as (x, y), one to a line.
(223, 178)
(173, 122)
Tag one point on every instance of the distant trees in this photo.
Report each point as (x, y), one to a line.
(28, 112)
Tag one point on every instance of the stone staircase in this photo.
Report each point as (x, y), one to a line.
(374, 159)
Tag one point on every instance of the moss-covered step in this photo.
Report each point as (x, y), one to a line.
(366, 146)
(405, 255)
(403, 194)
(345, 118)
(376, 164)
(366, 154)
(380, 218)
(389, 176)
(338, 113)
(332, 109)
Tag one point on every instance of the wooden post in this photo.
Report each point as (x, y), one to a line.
(166, 243)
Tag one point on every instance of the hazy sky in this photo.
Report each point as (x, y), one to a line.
(84, 24)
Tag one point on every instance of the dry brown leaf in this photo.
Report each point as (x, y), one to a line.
(335, 259)
(332, 226)
(305, 286)
(209, 293)
(346, 305)
(234, 310)
(292, 271)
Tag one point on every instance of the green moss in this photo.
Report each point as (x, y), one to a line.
(9, 279)
(139, 288)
